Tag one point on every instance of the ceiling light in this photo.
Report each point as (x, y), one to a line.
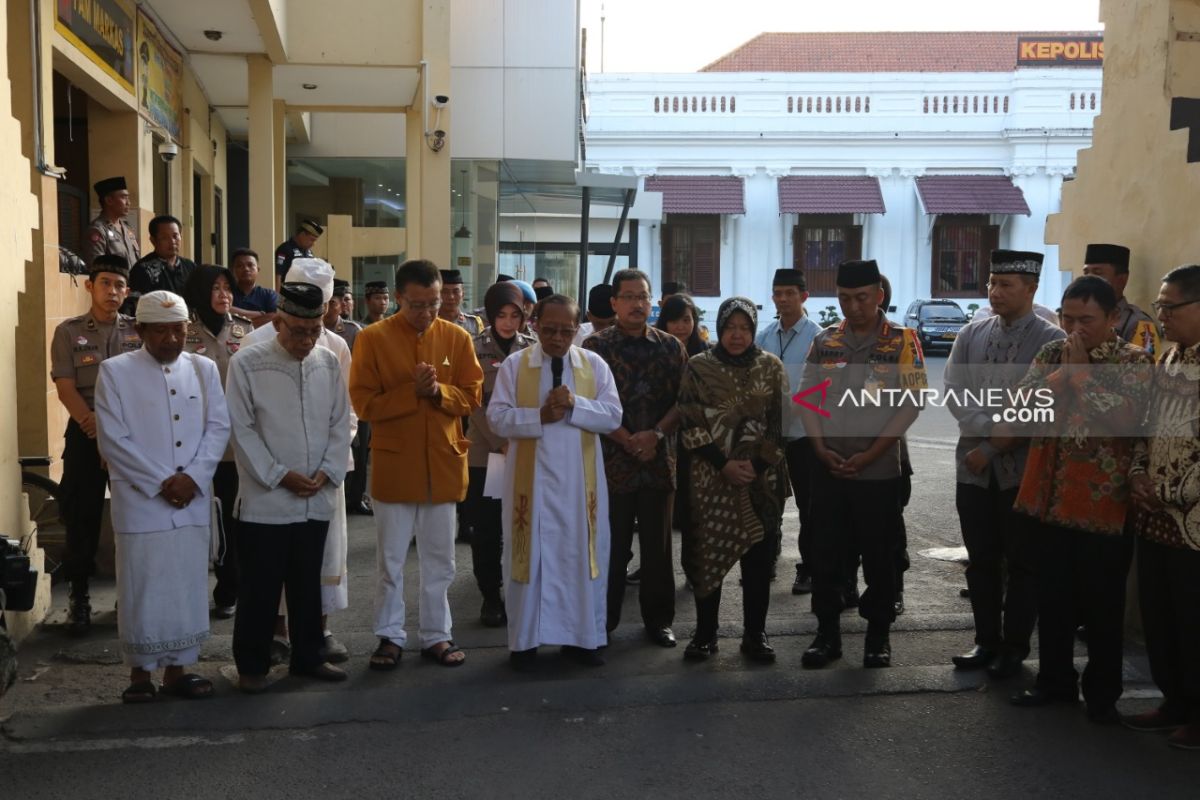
(213, 36)
(309, 86)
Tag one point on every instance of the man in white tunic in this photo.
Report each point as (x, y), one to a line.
(553, 401)
(162, 427)
(290, 416)
(335, 594)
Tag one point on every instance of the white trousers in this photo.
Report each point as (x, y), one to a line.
(433, 526)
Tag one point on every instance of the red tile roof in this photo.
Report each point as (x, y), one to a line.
(830, 194)
(969, 51)
(699, 194)
(971, 194)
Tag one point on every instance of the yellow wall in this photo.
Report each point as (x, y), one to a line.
(1134, 185)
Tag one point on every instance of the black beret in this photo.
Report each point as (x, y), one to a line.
(853, 274)
(311, 226)
(109, 185)
(542, 292)
(340, 287)
(108, 262)
(302, 300)
(1114, 254)
(790, 277)
(1016, 262)
(501, 278)
(375, 287)
(599, 302)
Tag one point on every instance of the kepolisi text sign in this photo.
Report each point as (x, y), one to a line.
(1060, 51)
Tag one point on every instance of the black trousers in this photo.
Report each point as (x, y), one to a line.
(273, 557)
(487, 535)
(756, 593)
(355, 485)
(861, 515)
(900, 557)
(1002, 573)
(650, 511)
(1169, 592)
(1082, 583)
(82, 502)
(800, 460)
(225, 485)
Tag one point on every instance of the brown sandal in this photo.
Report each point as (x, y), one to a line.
(386, 656)
(442, 656)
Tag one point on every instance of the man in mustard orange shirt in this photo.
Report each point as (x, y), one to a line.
(413, 378)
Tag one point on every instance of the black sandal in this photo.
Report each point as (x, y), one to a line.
(386, 656)
(440, 656)
(139, 692)
(189, 686)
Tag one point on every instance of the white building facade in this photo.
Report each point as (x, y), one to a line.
(924, 171)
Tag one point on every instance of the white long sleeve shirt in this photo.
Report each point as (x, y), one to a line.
(155, 420)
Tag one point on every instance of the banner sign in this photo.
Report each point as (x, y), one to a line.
(1060, 51)
(103, 31)
(160, 77)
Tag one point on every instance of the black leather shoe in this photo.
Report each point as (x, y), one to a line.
(700, 651)
(898, 605)
(79, 615)
(756, 648)
(523, 660)
(663, 637)
(1036, 697)
(803, 582)
(633, 578)
(224, 612)
(492, 613)
(877, 654)
(1103, 715)
(365, 509)
(825, 648)
(323, 672)
(1007, 665)
(583, 656)
(978, 657)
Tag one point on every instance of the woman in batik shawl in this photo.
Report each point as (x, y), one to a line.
(731, 404)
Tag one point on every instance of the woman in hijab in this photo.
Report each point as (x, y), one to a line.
(504, 304)
(731, 405)
(216, 332)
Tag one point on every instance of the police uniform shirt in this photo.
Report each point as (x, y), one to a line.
(469, 323)
(285, 253)
(886, 357)
(1136, 327)
(219, 348)
(82, 342)
(347, 329)
(111, 238)
(153, 273)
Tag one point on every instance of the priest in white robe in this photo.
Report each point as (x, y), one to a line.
(335, 589)
(553, 401)
(162, 426)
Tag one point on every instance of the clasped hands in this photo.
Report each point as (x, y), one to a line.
(426, 382)
(302, 486)
(179, 489)
(559, 401)
(843, 467)
(1143, 494)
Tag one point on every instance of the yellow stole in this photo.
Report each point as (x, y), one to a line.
(529, 381)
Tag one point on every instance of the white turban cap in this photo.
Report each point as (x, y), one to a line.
(161, 306)
(316, 271)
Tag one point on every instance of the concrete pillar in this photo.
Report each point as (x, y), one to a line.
(414, 146)
(262, 163)
(279, 131)
(339, 244)
(427, 196)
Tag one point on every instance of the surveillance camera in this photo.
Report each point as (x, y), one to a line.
(437, 140)
(440, 100)
(167, 151)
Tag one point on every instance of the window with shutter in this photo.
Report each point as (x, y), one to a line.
(962, 248)
(692, 252)
(819, 243)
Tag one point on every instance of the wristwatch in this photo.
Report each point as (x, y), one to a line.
(658, 432)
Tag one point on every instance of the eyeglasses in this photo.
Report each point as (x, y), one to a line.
(634, 298)
(301, 334)
(422, 308)
(1167, 309)
(557, 333)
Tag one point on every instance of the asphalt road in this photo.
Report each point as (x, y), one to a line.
(645, 723)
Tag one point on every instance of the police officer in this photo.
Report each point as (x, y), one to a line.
(334, 321)
(215, 331)
(108, 232)
(299, 246)
(377, 301)
(452, 298)
(163, 268)
(78, 347)
(855, 482)
(1111, 262)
